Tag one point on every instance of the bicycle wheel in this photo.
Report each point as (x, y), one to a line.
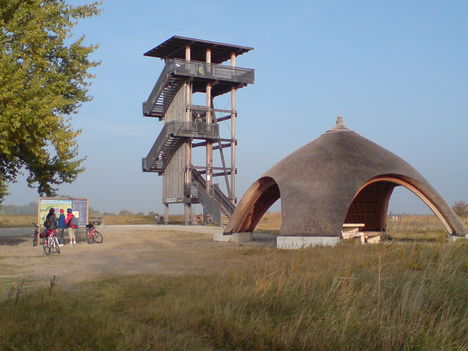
(97, 237)
(46, 247)
(56, 245)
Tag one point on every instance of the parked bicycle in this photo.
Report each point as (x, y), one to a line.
(48, 239)
(92, 235)
(159, 220)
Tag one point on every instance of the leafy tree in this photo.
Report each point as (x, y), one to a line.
(460, 208)
(43, 80)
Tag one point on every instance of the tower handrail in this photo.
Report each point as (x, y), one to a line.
(180, 129)
(198, 178)
(157, 90)
(210, 71)
(223, 199)
(218, 195)
(211, 206)
(155, 149)
(181, 68)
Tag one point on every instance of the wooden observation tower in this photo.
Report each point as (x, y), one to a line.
(195, 66)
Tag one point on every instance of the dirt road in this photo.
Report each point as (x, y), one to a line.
(126, 250)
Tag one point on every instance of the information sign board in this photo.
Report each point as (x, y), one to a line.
(78, 206)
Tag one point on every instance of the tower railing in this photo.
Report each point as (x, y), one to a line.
(222, 202)
(210, 71)
(173, 74)
(156, 99)
(170, 138)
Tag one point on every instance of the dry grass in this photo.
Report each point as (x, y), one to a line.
(402, 296)
(424, 227)
(136, 219)
(270, 223)
(7, 221)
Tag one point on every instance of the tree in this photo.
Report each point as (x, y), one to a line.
(44, 79)
(460, 208)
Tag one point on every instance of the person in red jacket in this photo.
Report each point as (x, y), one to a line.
(70, 226)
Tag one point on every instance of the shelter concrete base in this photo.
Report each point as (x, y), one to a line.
(300, 242)
(454, 238)
(234, 237)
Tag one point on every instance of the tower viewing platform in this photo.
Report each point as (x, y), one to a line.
(178, 69)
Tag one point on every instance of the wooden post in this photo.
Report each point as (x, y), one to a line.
(208, 55)
(166, 213)
(188, 143)
(233, 136)
(209, 119)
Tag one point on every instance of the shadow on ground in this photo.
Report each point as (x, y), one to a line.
(12, 241)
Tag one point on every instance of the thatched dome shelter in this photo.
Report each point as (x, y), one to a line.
(340, 177)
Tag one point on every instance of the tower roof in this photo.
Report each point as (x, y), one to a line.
(174, 48)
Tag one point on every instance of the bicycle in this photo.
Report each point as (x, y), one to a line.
(159, 220)
(49, 240)
(92, 235)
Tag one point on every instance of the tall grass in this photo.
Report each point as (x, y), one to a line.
(9, 221)
(426, 227)
(139, 219)
(403, 296)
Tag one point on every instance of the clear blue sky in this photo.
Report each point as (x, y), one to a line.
(396, 70)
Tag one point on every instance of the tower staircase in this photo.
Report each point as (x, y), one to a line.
(162, 94)
(171, 137)
(176, 72)
(216, 202)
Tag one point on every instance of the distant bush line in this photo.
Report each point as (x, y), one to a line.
(31, 209)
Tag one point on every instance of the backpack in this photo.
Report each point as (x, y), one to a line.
(74, 221)
(47, 223)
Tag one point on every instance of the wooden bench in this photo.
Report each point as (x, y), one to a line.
(370, 237)
(351, 231)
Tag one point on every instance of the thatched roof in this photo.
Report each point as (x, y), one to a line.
(340, 177)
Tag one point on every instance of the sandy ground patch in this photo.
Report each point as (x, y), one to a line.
(126, 250)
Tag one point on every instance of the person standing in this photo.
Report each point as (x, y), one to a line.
(61, 226)
(70, 226)
(51, 222)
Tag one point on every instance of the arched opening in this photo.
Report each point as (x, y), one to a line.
(370, 204)
(257, 200)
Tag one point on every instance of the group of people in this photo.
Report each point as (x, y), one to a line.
(52, 223)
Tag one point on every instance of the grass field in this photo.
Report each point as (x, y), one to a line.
(400, 295)
(7, 221)
(426, 227)
(397, 296)
(423, 227)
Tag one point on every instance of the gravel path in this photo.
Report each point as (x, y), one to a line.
(127, 249)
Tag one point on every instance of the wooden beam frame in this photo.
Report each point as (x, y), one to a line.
(217, 140)
(206, 108)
